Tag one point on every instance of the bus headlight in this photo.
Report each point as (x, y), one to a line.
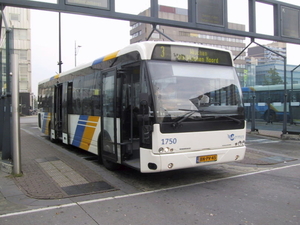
(170, 165)
(165, 150)
(240, 143)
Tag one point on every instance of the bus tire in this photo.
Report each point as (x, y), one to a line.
(106, 163)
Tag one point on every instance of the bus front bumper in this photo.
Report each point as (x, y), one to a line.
(152, 163)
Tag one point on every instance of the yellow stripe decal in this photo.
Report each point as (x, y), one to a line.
(89, 131)
(111, 56)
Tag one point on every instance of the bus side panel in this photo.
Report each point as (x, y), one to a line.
(45, 118)
(84, 131)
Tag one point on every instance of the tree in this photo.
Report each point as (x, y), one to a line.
(272, 78)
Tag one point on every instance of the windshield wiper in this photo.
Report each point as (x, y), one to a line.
(230, 117)
(187, 115)
(183, 118)
(191, 112)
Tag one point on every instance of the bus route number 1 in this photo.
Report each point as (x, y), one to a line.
(169, 141)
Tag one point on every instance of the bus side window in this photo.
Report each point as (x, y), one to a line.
(96, 94)
(87, 91)
(77, 96)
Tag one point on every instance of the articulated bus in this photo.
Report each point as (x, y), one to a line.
(269, 102)
(152, 106)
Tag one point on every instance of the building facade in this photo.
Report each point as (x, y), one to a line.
(141, 32)
(18, 20)
(264, 55)
(261, 62)
(263, 71)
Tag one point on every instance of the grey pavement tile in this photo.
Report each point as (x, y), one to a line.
(47, 159)
(21, 199)
(12, 190)
(88, 188)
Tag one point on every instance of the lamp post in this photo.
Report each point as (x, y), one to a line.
(76, 51)
(59, 63)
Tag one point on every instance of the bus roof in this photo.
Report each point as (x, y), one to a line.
(275, 87)
(144, 48)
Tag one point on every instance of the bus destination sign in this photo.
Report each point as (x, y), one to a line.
(100, 4)
(290, 22)
(191, 54)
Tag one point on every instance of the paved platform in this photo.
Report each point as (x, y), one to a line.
(58, 174)
(53, 176)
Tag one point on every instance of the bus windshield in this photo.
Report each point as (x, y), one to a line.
(194, 91)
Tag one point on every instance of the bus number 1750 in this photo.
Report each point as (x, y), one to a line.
(169, 141)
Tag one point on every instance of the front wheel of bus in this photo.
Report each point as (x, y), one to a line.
(102, 149)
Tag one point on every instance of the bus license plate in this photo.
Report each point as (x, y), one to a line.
(206, 158)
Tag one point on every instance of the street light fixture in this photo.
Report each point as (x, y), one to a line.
(76, 51)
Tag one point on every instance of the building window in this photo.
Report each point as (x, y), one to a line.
(22, 54)
(14, 16)
(155, 35)
(183, 33)
(20, 34)
(23, 86)
(23, 78)
(23, 70)
(136, 34)
(135, 25)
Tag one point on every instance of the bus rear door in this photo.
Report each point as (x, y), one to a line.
(66, 110)
(56, 120)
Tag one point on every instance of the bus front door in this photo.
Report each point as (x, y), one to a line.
(109, 136)
(56, 120)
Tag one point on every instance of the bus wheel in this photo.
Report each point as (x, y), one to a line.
(270, 116)
(101, 149)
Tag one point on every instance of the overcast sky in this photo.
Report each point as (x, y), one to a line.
(99, 36)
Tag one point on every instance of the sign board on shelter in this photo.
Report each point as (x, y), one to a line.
(210, 12)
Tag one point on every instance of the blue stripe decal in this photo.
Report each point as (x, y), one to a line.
(79, 130)
(84, 117)
(97, 61)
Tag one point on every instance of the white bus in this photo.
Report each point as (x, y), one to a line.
(153, 106)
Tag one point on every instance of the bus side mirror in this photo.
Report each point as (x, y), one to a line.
(144, 107)
(143, 118)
